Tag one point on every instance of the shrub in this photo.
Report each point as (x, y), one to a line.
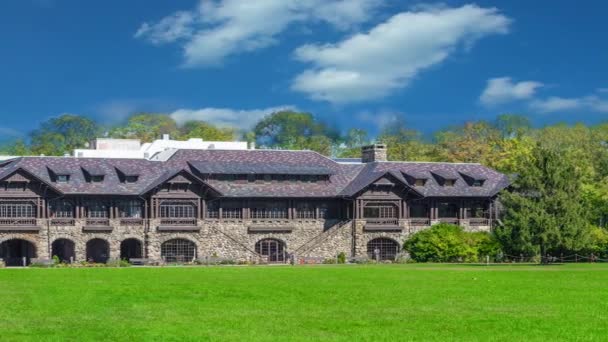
(450, 243)
(341, 258)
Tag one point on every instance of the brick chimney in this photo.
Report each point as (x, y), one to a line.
(373, 153)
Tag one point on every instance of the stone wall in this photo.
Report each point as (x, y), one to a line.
(227, 238)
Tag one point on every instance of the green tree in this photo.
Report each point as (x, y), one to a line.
(146, 126)
(513, 125)
(404, 143)
(16, 148)
(62, 134)
(206, 131)
(544, 212)
(473, 142)
(295, 130)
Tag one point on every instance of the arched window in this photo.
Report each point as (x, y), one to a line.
(382, 249)
(273, 249)
(380, 210)
(178, 250)
(98, 250)
(130, 248)
(64, 250)
(14, 251)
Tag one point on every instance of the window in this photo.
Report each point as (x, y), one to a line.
(327, 211)
(62, 209)
(17, 209)
(269, 210)
(232, 210)
(380, 210)
(178, 250)
(382, 249)
(97, 209)
(419, 210)
(96, 178)
(420, 182)
(448, 210)
(305, 210)
(177, 209)
(449, 182)
(213, 209)
(130, 209)
(476, 210)
(63, 178)
(267, 178)
(478, 182)
(131, 179)
(15, 186)
(271, 248)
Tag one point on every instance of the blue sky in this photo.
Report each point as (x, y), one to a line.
(355, 63)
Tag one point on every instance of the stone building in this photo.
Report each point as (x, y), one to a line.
(237, 204)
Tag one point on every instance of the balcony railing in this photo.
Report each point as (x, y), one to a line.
(178, 222)
(479, 221)
(382, 222)
(63, 221)
(97, 222)
(420, 221)
(18, 221)
(131, 221)
(453, 220)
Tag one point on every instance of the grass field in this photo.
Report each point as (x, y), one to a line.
(385, 302)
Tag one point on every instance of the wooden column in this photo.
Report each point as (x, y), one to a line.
(220, 209)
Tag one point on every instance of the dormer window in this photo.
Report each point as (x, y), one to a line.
(420, 182)
(131, 179)
(96, 178)
(62, 178)
(478, 183)
(449, 182)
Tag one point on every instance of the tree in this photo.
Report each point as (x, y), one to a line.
(62, 134)
(146, 126)
(404, 143)
(203, 130)
(512, 125)
(295, 130)
(544, 212)
(16, 148)
(474, 142)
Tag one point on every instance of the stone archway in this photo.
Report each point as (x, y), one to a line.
(98, 250)
(17, 252)
(273, 249)
(64, 249)
(131, 248)
(382, 249)
(178, 250)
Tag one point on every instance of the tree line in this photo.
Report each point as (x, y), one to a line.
(558, 202)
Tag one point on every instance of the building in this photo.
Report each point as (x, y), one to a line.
(237, 204)
(134, 149)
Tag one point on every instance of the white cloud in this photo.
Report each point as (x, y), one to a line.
(502, 89)
(242, 119)
(374, 64)
(561, 104)
(220, 28)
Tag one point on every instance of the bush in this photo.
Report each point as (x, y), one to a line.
(450, 243)
(341, 258)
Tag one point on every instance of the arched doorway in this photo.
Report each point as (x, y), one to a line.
(98, 250)
(64, 250)
(14, 250)
(130, 248)
(273, 249)
(382, 249)
(178, 250)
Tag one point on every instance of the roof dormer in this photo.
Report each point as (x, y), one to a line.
(474, 178)
(445, 178)
(93, 174)
(59, 174)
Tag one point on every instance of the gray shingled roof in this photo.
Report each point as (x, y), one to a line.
(345, 180)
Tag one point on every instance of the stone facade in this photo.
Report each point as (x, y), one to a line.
(227, 238)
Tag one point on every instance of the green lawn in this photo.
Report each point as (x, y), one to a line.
(385, 302)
